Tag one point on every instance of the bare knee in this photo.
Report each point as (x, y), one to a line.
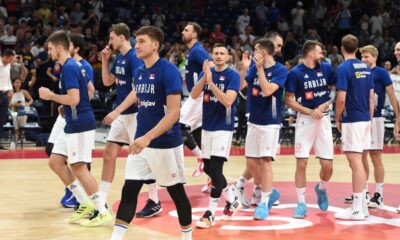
(79, 169)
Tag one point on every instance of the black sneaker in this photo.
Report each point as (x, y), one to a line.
(376, 201)
(349, 200)
(150, 209)
(3, 148)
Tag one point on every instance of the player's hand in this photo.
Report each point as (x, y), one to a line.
(45, 93)
(339, 124)
(317, 113)
(61, 110)
(246, 60)
(139, 144)
(259, 60)
(106, 53)
(207, 70)
(110, 117)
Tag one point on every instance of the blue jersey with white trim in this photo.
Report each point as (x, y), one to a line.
(194, 66)
(381, 81)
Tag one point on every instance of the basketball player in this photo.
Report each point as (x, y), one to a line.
(77, 48)
(382, 85)
(191, 111)
(238, 186)
(220, 85)
(312, 83)
(123, 118)
(157, 151)
(354, 112)
(77, 140)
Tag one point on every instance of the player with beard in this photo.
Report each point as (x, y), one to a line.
(309, 91)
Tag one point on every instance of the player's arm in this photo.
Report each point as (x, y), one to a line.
(268, 88)
(129, 100)
(290, 101)
(166, 123)
(332, 96)
(48, 72)
(393, 100)
(91, 89)
(225, 99)
(371, 103)
(340, 101)
(107, 76)
(243, 67)
(198, 88)
(71, 98)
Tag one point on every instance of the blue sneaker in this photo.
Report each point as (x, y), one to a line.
(68, 200)
(261, 212)
(322, 198)
(275, 195)
(301, 210)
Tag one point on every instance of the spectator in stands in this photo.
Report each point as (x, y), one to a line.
(387, 65)
(247, 39)
(335, 57)
(145, 21)
(217, 36)
(298, 19)
(9, 39)
(243, 21)
(376, 22)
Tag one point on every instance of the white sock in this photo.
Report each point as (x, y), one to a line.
(212, 206)
(153, 193)
(228, 195)
(78, 192)
(379, 188)
(357, 200)
(322, 184)
(240, 182)
(98, 203)
(104, 187)
(301, 195)
(186, 234)
(257, 190)
(118, 232)
(265, 197)
(366, 188)
(197, 152)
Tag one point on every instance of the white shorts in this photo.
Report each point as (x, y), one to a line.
(164, 165)
(123, 129)
(262, 140)
(216, 143)
(378, 133)
(356, 137)
(57, 129)
(313, 133)
(77, 147)
(192, 112)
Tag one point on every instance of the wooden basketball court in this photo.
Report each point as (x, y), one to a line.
(30, 195)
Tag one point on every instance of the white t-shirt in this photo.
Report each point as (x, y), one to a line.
(376, 24)
(243, 21)
(5, 77)
(297, 15)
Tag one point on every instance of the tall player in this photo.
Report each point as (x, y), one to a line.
(123, 118)
(354, 112)
(157, 151)
(220, 85)
(382, 85)
(77, 140)
(77, 48)
(191, 111)
(312, 83)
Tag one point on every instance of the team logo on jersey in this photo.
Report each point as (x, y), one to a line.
(152, 76)
(206, 98)
(269, 74)
(123, 61)
(358, 75)
(255, 92)
(140, 77)
(319, 74)
(222, 78)
(309, 95)
(306, 76)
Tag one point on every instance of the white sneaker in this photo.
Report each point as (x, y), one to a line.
(255, 200)
(350, 214)
(231, 209)
(376, 201)
(398, 209)
(276, 203)
(206, 221)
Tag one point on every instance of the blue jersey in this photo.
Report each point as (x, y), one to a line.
(266, 110)
(124, 70)
(79, 118)
(381, 81)
(194, 66)
(354, 77)
(311, 85)
(215, 115)
(89, 70)
(153, 85)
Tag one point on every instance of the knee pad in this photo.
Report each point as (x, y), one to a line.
(182, 204)
(49, 148)
(217, 176)
(188, 139)
(129, 196)
(206, 167)
(197, 136)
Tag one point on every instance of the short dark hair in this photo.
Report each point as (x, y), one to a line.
(59, 38)
(8, 52)
(196, 28)
(79, 41)
(155, 33)
(272, 35)
(219, 45)
(121, 29)
(309, 46)
(266, 44)
(350, 43)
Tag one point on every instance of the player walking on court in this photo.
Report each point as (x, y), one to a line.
(77, 140)
(354, 112)
(313, 83)
(157, 151)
